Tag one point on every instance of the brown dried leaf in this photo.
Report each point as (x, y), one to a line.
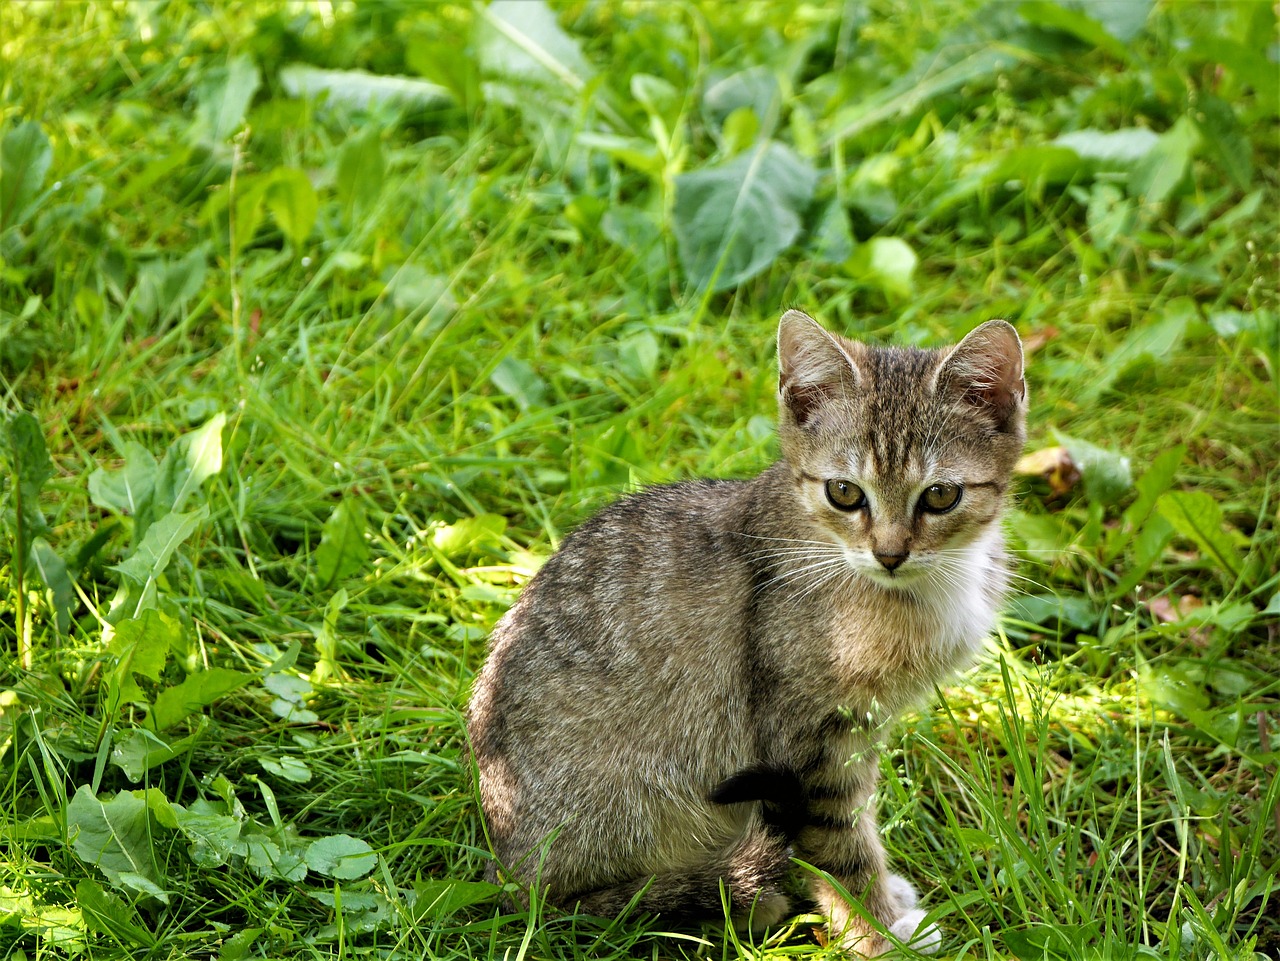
(1054, 464)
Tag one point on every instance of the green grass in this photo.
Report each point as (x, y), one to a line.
(443, 330)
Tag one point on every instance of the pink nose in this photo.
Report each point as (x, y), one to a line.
(891, 562)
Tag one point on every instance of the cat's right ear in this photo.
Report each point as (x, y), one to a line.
(813, 367)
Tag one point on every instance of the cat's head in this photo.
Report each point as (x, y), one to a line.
(902, 456)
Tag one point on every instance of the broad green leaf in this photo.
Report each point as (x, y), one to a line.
(1196, 516)
(1072, 610)
(1148, 548)
(140, 750)
(362, 168)
(1122, 19)
(342, 550)
(214, 837)
(636, 152)
(59, 592)
(152, 556)
(887, 263)
(1225, 138)
(114, 835)
(1075, 21)
(732, 221)
(141, 645)
(1113, 149)
(832, 239)
(222, 98)
(360, 89)
(519, 381)
(268, 860)
(236, 947)
(128, 488)
(755, 89)
(1107, 476)
(293, 203)
(341, 856)
(440, 898)
(520, 40)
(107, 914)
(200, 451)
(196, 692)
(290, 768)
(29, 468)
(1155, 480)
(1049, 942)
(25, 156)
(1160, 172)
(463, 536)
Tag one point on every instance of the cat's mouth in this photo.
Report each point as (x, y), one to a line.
(901, 577)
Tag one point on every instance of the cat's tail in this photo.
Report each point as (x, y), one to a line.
(784, 803)
(749, 876)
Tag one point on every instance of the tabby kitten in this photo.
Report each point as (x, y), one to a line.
(696, 685)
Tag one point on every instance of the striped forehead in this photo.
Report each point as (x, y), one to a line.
(897, 414)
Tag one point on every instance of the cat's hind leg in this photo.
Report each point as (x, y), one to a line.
(751, 874)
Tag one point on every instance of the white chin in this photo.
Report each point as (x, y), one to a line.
(901, 579)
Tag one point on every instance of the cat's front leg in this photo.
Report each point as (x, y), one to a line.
(847, 846)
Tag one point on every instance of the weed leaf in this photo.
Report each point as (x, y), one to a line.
(129, 488)
(360, 89)
(196, 692)
(152, 556)
(1226, 140)
(519, 381)
(887, 263)
(361, 170)
(520, 40)
(140, 750)
(107, 914)
(1156, 176)
(1069, 19)
(732, 221)
(342, 550)
(25, 156)
(1107, 475)
(341, 856)
(30, 466)
(1112, 149)
(436, 899)
(203, 450)
(141, 645)
(1196, 516)
(114, 836)
(222, 97)
(293, 203)
(214, 837)
(60, 593)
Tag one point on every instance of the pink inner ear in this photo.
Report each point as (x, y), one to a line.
(986, 370)
(812, 366)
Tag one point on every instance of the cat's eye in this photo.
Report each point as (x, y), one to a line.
(940, 498)
(845, 495)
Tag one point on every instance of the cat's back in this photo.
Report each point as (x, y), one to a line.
(638, 573)
(654, 589)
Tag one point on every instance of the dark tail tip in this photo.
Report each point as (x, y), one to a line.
(784, 803)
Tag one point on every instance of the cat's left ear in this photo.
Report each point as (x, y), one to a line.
(985, 370)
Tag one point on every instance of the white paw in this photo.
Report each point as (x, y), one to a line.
(766, 911)
(902, 890)
(908, 930)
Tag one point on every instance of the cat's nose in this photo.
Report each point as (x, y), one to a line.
(891, 562)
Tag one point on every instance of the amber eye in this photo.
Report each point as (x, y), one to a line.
(845, 495)
(940, 498)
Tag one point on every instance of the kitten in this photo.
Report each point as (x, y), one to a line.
(695, 686)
